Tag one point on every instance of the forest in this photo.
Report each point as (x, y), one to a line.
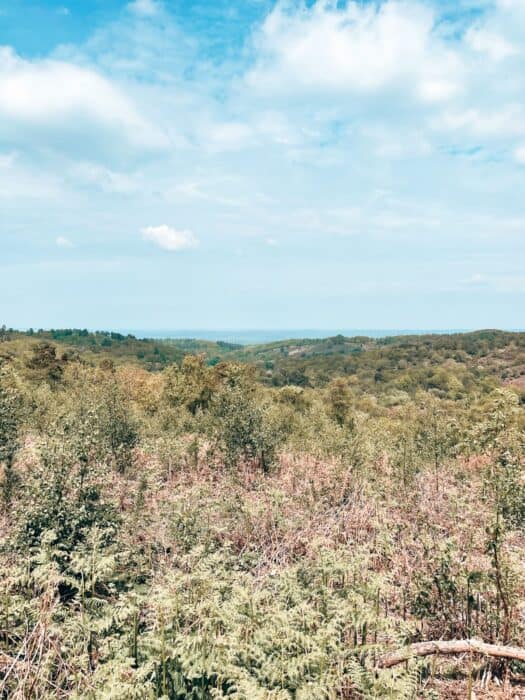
(306, 519)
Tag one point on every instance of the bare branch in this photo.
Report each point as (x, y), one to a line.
(456, 646)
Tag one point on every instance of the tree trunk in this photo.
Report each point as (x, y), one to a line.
(457, 646)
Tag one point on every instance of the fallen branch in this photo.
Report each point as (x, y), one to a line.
(457, 646)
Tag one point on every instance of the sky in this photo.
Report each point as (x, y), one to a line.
(246, 164)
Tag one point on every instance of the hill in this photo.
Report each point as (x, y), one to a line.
(189, 519)
(451, 364)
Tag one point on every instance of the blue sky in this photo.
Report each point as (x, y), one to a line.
(253, 164)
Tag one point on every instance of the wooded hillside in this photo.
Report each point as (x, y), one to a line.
(187, 519)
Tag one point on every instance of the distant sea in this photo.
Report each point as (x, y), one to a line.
(253, 337)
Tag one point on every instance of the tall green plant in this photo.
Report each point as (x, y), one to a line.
(9, 436)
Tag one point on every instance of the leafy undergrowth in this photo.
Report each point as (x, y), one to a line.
(194, 535)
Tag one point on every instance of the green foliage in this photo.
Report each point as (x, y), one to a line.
(373, 496)
(340, 402)
(9, 427)
(407, 456)
(209, 630)
(510, 489)
(191, 385)
(245, 430)
(44, 363)
(61, 501)
(117, 426)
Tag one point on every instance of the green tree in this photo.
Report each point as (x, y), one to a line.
(44, 363)
(117, 426)
(9, 428)
(245, 430)
(340, 402)
(192, 384)
(61, 500)
(436, 436)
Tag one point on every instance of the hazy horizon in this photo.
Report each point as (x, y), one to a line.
(253, 336)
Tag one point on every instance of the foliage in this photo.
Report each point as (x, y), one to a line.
(9, 420)
(256, 522)
(61, 502)
(245, 430)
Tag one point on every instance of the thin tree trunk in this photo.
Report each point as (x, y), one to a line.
(457, 646)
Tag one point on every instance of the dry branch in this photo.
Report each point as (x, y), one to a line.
(456, 646)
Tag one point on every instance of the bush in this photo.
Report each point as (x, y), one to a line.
(62, 501)
(245, 430)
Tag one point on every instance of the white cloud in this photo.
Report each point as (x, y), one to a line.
(497, 47)
(169, 238)
(209, 191)
(229, 136)
(400, 65)
(63, 242)
(437, 90)
(63, 95)
(21, 182)
(261, 127)
(144, 8)
(7, 160)
(105, 179)
(519, 155)
(354, 48)
(508, 121)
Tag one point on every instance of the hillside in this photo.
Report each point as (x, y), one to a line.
(186, 519)
(446, 363)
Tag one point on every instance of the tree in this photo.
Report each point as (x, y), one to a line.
(436, 433)
(340, 402)
(45, 364)
(117, 426)
(245, 429)
(9, 421)
(190, 385)
(405, 455)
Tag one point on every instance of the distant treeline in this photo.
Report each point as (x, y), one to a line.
(451, 364)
